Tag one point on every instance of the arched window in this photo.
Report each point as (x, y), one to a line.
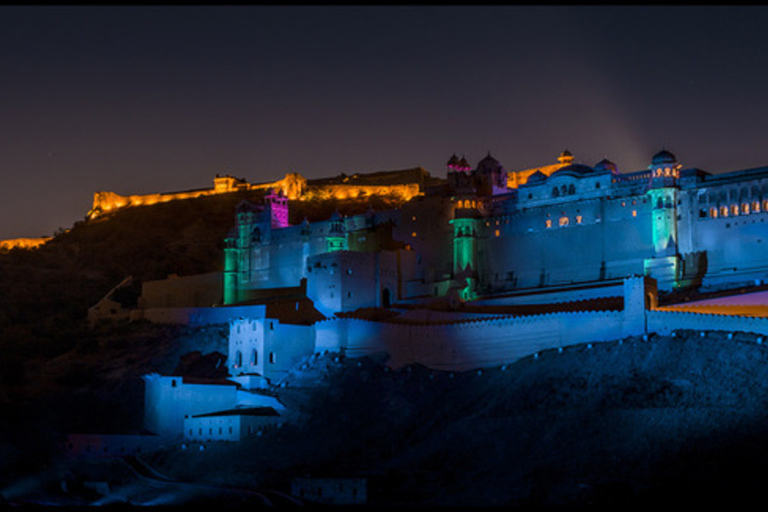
(548, 223)
(723, 211)
(755, 206)
(734, 209)
(745, 208)
(555, 192)
(563, 221)
(254, 357)
(563, 190)
(571, 189)
(238, 359)
(713, 212)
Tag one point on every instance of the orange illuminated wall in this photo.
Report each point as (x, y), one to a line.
(23, 243)
(293, 186)
(517, 178)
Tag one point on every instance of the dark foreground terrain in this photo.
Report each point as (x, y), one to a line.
(668, 420)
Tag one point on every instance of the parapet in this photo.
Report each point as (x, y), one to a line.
(23, 243)
(403, 185)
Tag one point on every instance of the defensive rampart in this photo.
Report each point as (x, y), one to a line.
(474, 343)
(664, 322)
(23, 243)
(293, 186)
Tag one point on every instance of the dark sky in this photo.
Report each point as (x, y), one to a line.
(137, 99)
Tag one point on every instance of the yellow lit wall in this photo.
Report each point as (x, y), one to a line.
(293, 186)
(23, 243)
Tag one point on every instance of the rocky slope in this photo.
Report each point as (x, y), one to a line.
(680, 419)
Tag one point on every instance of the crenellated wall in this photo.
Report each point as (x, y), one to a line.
(23, 243)
(342, 191)
(473, 343)
(664, 322)
(293, 186)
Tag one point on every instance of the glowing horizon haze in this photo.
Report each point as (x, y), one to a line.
(144, 99)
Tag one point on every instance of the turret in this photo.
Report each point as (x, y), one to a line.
(459, 178)
(664, 170)
(336, 240)
(490, 177)
(565, 158)
(276, 206)
(663, 194)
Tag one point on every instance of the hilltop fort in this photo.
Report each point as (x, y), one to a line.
(479, 269)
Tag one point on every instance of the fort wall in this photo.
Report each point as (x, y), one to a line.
(23, 243)
(470, 344)
(200, 290)
(664, 322)
(293, 186)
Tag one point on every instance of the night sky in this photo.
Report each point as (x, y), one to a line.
(139, 99)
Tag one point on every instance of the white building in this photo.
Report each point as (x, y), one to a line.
(266, 347)
(230, 425)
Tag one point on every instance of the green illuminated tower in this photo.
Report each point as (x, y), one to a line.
(465, 249)
(336, 240)
(663, 194)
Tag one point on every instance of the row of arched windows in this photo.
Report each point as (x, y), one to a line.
(254, 359)
(563, 221)
(736, 209)
(564, 190)
(666, 172)
(467, 203)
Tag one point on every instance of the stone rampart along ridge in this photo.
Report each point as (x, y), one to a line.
(23, 243)
(293, 186)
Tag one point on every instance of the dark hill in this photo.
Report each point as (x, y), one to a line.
(58, 282)
(51, 362)
(678, 420)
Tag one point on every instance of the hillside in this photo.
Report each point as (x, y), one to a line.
(53, 364)
(678, 420)
(45, 293)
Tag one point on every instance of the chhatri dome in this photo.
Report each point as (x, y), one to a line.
(565, 158)
(663, 157)
(458, 165)
(573, 169)
(606, 165)
(488, 163)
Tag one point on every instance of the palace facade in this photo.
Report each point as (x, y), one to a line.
(486, 232)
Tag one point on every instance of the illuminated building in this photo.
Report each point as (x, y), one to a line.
(446, 264)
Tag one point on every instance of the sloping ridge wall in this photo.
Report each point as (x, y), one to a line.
(472, 344)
